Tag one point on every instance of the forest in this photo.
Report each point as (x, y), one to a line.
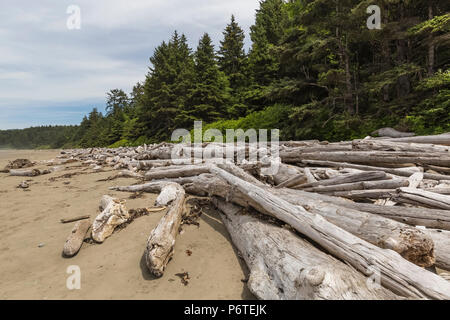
(314, 70)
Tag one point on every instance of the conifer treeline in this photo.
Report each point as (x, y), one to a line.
(314, 70)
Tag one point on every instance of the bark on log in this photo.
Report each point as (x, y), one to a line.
(284, 266)
(397, 274)
(161, 242)
(76, 238)
(114, 214)
(441, 240)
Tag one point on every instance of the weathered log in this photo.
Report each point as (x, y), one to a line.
(390, 132)
(161, 242)
(114, 214)
(175, 172)
(344, 179)
(404, 172)
(24, 172)
(363, 185)
(284, 266)
(397, 274)
(385, 233)
(441, 240)
(386, 145)
(124, 174)
(74, 219)
(414, 246)
(365, 194)
(368, 157)
(76, 238)
(422, 197)
(442, 139)
(431, 218)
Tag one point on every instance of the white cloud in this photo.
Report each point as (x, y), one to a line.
(41, 61)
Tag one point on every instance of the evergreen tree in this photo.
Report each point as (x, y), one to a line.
(166, 87)
(208, 98)
(266, 35)
(232, 57)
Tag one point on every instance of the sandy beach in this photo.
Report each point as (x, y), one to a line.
(32, 238)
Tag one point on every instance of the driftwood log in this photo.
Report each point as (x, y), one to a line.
(161, 242)
(284, 266)
(114, 214)
(397, 274)
(76, 238)
(411, 243)
(441, 240)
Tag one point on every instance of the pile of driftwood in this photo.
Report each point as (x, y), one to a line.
(362, 219)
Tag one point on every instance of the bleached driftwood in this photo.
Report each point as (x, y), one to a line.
(441, 139)
(441, 240)
(422, 197)
(408, 241)
(76, 238)
(397, 274)
(431, 218)
(161, 242)
(390, 132)
(362, 185)
(344, 179)
(284, 266)
(387, 145)
(369, 157)
(24, 172)
(114, 214)
(175, 172)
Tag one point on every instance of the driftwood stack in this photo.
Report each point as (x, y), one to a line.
(363, 219)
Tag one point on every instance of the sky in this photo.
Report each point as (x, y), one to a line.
(52, 72)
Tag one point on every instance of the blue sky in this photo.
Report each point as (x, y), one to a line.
(52, 75)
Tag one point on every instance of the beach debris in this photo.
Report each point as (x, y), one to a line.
(349, 206)
(189, 252)
(76, 238)
(41, 245)
(184, 277)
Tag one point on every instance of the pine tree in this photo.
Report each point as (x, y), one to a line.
(207, 99)
(266, 34)
(232, 57)
(166, 88)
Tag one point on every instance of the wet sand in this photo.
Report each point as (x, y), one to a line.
(32, 238)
